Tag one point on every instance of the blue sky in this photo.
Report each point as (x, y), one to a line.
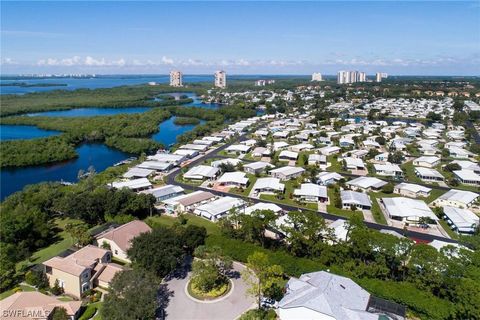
(419, 38)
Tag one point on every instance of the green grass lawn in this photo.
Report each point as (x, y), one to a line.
(434, 194)
(376, 211)
(21, 287)
(168, 221)
(65, 242)
(252, 179)
(410, 172)
(337, 211)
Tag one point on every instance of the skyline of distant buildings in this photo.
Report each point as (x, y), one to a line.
(343, 77)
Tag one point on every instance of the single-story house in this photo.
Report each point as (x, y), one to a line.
(366, 183)
(388, 169)
(218, 208)
(326, 178)
(238, 148)
(317, 159)
(468, 165)
(189, 153)
(311, 192)
(233, 179)
(428, 174)
(354, 163)
(461, 220)
(426, 161)
(136, 172)
(271, 185)
(257, 167)
(174, 159)
(469, 177)
(301, 147)
(287, 155)
(191, 146)
(156, 165)
(232, 161)
(165, 192)
(187, 202)
(382, 157)
(353, 199)
(457, 198)
(329, 150)
(280, 145)
(134, 185)
(411, 190)
(201, 172)
(287, 173)
(407, 210)
(324, 295)
(263, 206)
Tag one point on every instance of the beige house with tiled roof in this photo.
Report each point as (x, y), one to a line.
(76, 273)
(119, 239)
(35, 305)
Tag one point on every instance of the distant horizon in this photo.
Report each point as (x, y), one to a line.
(430, 38)
(228, 74)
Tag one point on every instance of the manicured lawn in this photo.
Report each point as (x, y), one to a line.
(376, 211)
(337, 211)
(252, 179)
(288, 196)
(22, 287)
(65, 242)
(410, 172)
(434, 194)
(179, 178)
(168, 221)
(335, 165)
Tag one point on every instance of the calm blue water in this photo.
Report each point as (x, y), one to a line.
(169, 131)
(92, 154)
(89, 112)
(197, 101)
(9, 132)
(93, 83)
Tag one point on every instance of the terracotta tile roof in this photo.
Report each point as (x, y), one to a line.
(124, 234)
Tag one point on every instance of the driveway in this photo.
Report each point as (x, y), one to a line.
(182, 307)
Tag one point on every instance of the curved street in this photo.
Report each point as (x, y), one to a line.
(180, 306)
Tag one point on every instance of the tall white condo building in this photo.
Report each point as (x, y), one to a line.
(317, 76)
(344, 77)
(220, 79)
(176, 78)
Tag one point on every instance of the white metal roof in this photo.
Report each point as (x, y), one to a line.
(412, 187)
(428, 172)
(132, 184)
(406, 207)
(367, 182)
(201, 171)
(353, 197)
(311, 190)
(235, 177)
(288, 170)
(137, 172)
(263, 206)
(268, 183)
(465, 197)
(461, 218)
(219, 206)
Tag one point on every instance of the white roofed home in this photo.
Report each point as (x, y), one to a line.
(165, 192)
(216, 209)
(201, 172)
(231, 161)
(326, 178)
(388, 169)
(317, 159)
(134, 184)
(329, 150)
(136, 172)
(270, 185)
(411, 190)
(119, 239)
(428, 174)
(288, 155)
(461, 220)
(354, 163)
(287, 173)
(366, 183)
(353, 199)
(257, 167)
(468, 177)
(263, 206)
(238, 148)
(407, 210)
(311, 192)
(426, 161)
(233, 179)
(324, 295)
(457, 198)
(468, 165)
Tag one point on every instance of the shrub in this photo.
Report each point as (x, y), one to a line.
(88, 313)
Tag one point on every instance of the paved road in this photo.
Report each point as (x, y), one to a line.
(182, 307)
(170, 179)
